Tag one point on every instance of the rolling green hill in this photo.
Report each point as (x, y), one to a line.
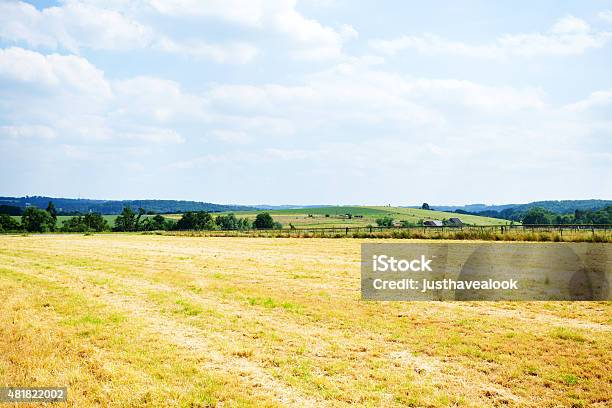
(360, 216)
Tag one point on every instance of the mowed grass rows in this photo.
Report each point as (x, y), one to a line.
(133, 320)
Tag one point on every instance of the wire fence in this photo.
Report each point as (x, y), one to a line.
(501, 228)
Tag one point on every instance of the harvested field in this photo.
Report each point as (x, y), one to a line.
(147, 320)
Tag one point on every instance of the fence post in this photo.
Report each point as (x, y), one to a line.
(346, 231)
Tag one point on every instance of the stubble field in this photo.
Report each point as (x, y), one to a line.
(141, 320)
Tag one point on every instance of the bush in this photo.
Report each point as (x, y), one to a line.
(384, 222)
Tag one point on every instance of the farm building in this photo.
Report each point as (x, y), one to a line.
(433, 223)
(455, 221)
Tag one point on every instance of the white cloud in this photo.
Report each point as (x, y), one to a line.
(115, 25)
(232, 136)
(605, 15)
(568, 36)
(348, 31)
(430, 44)
(248, 12)
(71, 26)
(77, 25)
(70, 99)
(69, 72)
(354, 90)
(595, 99)
(158, 100)
(318, 41)
(311, 39)
(501, 99)
(154, 135)
(570, 25)
(240, 53)
(28, 131)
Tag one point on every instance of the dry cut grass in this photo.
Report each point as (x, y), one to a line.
(133, 320)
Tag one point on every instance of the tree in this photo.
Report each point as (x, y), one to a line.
(73, 224)
(158, 222)
(36, 220)
(244, 224)
(10, 210)
(89, 222)
(95, 222)
(8, 223)
(425, 206)
(141, 212)
(227, 222)
(126, 221)
(537, 215)
(51, 210)
(263, 221)
(196, 220)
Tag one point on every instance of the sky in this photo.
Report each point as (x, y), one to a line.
(307, 102)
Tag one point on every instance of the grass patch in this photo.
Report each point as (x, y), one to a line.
(568, 334)
(188, 308)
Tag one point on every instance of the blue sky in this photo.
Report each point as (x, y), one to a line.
(314, 101)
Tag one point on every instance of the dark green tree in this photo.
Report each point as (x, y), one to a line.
(263, 221)
(36, 220)
(227, 222)
(196, 220)
(425, 206)
(158, 222)
(10, 210)
(243, 224)
(90, 222)
(51, 210)
(95, 222)
(8, 223)
(73, 224)
(141, 212)
(126, 221)
(537, 216)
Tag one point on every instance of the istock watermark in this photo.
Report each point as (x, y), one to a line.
(486, 271)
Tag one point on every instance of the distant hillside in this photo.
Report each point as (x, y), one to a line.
(72, 205)
(559, 207)
(287, 206)
(361, 216)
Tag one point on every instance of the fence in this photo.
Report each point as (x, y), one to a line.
(500, 228)
(450, 228)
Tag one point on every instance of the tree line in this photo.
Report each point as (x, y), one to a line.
(543, 216)
(539, 215)
(34, 219)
